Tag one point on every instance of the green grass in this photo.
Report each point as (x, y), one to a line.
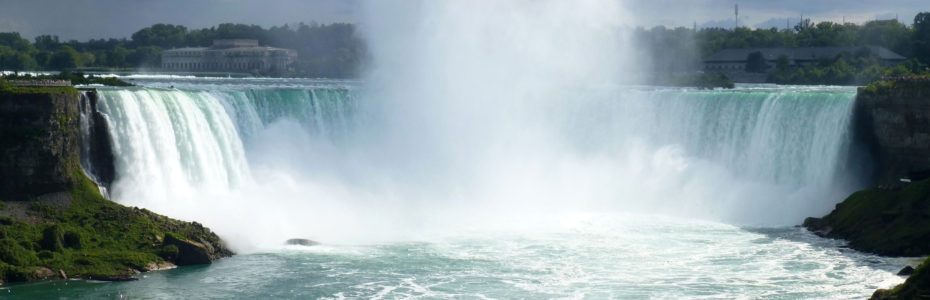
(917, 286)
(886, 221)
(19, 90)
(92, 237)
(885, 87)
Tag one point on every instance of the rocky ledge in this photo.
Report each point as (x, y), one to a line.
(54, 223)
(893, 124)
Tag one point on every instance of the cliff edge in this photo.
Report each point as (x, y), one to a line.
(54, 222)
(892, 121)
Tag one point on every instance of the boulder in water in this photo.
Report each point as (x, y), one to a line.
(301, 242)
(906, 271)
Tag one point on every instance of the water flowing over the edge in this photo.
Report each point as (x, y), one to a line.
(263, 165)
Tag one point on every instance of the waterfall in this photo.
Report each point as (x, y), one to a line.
(293, 161)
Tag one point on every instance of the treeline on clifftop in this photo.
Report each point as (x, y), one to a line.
(331, 50)
(336, 51)
(682, 49)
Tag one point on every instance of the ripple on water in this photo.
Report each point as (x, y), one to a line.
(601, 257)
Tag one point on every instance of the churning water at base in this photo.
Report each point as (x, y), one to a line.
(590, 256)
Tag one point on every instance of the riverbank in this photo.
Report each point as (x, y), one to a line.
(891, 220)
(54, 221)
(892, 125)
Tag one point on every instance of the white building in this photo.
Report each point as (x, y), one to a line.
(229, 56)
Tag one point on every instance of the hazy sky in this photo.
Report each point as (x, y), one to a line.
(85, 19)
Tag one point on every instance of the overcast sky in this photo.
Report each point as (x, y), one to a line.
(85, 19)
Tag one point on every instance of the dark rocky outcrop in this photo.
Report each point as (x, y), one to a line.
(917, 286)
(53, 217)
(38, 132)
(301, 242)
(892, 120)
(906, 271)
(96, 147)
(194, 253)
(892, 221)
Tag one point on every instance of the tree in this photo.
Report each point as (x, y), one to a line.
(921, 37)
(47, 42)
(782, 63)
(148, 56)
(14, 41)
(17, 62)
(42, 58)
(116, 57)
(64, 59)
(755, 63)
(160, 35)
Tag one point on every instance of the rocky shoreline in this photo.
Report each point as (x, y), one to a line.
(892, 123)
(54, 222)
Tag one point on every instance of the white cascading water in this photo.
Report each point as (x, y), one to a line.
(264, 165)
(475, 112)
(491, 151)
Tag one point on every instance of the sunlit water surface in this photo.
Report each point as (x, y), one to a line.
(577, 256)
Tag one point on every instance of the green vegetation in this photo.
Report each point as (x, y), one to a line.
(323, 50)
(76, 78)
(917, 286)
(90, 237)
(886, 220)
(7, 88)
(859, 68)
(886, 87)
(674, 49)
(702, 81)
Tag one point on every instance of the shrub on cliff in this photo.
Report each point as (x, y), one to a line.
(917, 286)
(885, 221)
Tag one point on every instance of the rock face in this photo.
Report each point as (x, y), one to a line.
(194, 253)
(886, 221)
(66, 224)
(893, 123)
(301, 242)
(37, 135)
(917, 286)
(96, 147)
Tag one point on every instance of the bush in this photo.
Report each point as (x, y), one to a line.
(43, 210)
(15, 254)
(45, 254)
(51, 238)
(72, 239)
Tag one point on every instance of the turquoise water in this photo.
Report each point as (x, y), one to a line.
(583, 192)
(580, 256)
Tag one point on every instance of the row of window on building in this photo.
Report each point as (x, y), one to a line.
(206, 66)
(725, 67)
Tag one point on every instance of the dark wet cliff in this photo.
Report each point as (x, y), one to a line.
(54, 222)
(892, 121)
(38, 135)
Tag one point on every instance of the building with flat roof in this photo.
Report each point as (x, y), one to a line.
(732, 62)
(242, 56)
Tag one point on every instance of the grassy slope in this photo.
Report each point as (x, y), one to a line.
(92, 237)
(885, 221)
